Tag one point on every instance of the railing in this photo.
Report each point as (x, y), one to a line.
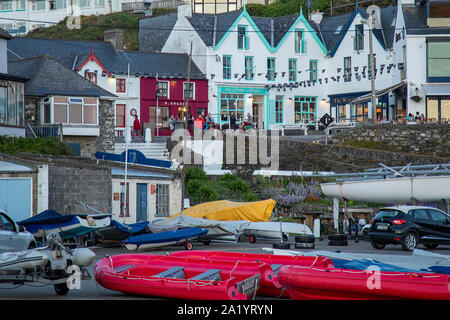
(148, 5)
(44, 131)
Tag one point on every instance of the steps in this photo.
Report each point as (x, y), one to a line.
(154, 150)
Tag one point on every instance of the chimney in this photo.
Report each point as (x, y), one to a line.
(185, 10)
(114, 36)
(316, 16)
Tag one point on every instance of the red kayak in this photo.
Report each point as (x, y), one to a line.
(183, 278)
(343, 284)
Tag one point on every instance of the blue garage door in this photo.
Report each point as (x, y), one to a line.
(15, 198)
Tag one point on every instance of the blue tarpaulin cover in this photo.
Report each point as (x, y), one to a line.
(363, 264)
(46, 217)
(167, 236)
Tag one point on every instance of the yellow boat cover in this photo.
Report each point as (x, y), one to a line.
(224, 210)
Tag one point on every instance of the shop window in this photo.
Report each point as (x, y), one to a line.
(305, 109)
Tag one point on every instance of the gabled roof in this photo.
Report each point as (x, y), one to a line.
(334, 28)
(154, 31)
(49, 77)
(72, 54)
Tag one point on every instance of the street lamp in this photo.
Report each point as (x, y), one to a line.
(370, 23)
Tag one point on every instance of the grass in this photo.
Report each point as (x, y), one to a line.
(14, 145)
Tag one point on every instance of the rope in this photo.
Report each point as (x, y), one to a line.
(235, 266)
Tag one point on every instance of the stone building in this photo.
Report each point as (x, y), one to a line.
(30, 184)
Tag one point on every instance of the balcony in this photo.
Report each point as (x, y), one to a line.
(143, 6)
(44, 131)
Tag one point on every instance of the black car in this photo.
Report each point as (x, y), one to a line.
(409, 226)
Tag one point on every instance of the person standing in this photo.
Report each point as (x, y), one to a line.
(136, 127)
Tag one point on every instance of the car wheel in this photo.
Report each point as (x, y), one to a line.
(377, 245)
(431, 245)
(409, 241)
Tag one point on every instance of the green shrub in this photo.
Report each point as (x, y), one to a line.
(195, 173)
(14, 145)
(206, 193)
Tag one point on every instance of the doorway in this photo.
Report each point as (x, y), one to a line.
(257, 111)
(141, 202)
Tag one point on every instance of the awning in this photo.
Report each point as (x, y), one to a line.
(378, 93)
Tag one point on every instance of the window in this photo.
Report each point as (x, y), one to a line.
(313, 70)
(358, 40)
(226, 62)
(231, 103)
(403, 70)
(6, 5)
(100, 3)
(163, 88)
(57, 4)
(159, 116)
(421, 214)
(300, 44)
(347, 69)
(75, 110)
(121, 85)
(279, 109)
(292, 69)
(437, 216)
(162, 200)
(358, 112)
(248, 68)
(124, 200)
(305, 109)
(189, 89)
(438, 60)
(438, 107)
(11, 103)
(374, 64)
(20, 5)
(92, 77)
(242, 38)
(120, 115)
(271, 69)
(85, 3)
(38, 5)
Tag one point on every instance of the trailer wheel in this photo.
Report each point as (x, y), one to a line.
(61, 289)
(252, 238)
(188, 245)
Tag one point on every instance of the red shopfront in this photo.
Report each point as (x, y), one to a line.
(170, 101)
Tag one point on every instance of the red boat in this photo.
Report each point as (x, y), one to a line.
(343, 284)
(184, 278)
(270, 259)
(275, 261)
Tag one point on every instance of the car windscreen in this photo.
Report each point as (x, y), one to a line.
(388, 213)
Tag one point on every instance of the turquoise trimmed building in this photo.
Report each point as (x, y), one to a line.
(288, 70)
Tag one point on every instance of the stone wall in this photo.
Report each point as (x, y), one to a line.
(91, 185)
(429, 139)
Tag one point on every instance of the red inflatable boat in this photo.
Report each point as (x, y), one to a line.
(185, 278)
(270, 259)
(339, 284)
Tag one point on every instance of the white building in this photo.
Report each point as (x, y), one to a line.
(287, 70)
(422, 44)
(21, 16)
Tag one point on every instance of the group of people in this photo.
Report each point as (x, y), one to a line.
(418, 117)
(202, 122)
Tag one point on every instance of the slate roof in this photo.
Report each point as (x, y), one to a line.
(154, 31)
(416, 21)
(49, 77)
(72, 53)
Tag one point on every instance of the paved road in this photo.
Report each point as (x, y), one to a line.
(90, 289)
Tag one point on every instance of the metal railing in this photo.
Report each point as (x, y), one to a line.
(148, 5)
(44, 131)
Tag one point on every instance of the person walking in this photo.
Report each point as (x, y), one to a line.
(136, 127)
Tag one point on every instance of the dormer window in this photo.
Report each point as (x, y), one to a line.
(242, 40)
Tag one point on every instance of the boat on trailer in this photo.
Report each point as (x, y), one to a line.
(343, 284)
(67, 226)
(159, 276)
(148, 241)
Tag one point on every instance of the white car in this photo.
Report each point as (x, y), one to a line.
(14, 237)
